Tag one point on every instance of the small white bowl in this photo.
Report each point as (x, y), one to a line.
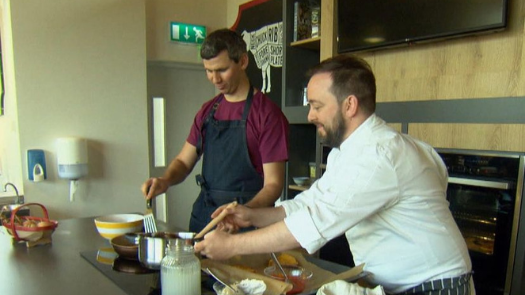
(302, 181)
(220, 289)
(110, 226)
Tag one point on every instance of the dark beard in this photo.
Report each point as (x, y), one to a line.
(334, 136)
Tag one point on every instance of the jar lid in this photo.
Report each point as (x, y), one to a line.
(174, 243)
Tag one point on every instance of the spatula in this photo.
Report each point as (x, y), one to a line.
(150, 225)
(214, 221)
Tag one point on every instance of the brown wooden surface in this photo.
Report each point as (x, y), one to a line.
(298, 187)
(482, 66)
(312, 43)
(499, 137)
(396, 126)
(328, 29)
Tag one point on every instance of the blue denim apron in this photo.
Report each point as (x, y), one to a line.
(227, 172)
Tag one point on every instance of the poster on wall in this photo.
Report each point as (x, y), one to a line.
(260, 22)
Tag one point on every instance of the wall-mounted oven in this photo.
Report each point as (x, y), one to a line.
(485, 191)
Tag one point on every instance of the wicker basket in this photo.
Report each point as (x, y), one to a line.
(30, 234)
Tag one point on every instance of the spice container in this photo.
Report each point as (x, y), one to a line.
(180, 270)
(313, 167)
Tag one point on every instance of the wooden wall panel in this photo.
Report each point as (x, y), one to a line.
(328, 31)
(396, 126)
(497, 137)
(482, 66)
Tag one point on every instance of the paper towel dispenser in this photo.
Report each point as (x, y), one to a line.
(72, 157)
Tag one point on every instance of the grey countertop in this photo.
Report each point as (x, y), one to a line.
(69, 265)
(55, 268)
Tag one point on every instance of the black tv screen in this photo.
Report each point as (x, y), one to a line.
(369, 24)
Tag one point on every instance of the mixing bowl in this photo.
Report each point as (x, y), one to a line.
(125, 246)
(110, 226)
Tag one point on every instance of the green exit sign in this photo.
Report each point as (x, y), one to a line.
(187, 33)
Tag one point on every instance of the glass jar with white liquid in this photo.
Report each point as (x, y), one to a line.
(180, 270)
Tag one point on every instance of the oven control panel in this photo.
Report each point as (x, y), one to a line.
(486, 166)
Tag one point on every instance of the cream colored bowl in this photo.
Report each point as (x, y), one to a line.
(110, 226)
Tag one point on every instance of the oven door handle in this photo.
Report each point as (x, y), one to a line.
(504, 185)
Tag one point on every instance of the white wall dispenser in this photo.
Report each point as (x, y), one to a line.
(72, 160)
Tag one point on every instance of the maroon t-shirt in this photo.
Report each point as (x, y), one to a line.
(267, 127)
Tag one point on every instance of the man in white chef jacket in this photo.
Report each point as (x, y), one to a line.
(384, 190)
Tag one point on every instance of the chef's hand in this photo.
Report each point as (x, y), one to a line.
(154, 187)
(216, 245)
(238, 217)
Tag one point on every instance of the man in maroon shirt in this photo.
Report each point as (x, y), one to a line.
(241, 135)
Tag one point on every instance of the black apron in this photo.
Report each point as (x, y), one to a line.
(227, 172)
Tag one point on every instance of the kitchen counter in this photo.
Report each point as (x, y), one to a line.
(55, 268)
(69, 265)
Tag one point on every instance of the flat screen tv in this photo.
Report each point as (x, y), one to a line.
(373, 24)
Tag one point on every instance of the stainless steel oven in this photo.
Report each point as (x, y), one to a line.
(485, 191)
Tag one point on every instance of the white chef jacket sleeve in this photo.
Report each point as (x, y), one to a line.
(298, 223)
(345, 195)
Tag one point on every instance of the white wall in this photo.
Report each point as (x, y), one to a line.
(160, 13)
(10, 168)
(233, 10)
(80, 70)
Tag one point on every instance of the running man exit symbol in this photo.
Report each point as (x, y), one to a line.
(187, 33)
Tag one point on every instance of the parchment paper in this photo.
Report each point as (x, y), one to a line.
(231, 271)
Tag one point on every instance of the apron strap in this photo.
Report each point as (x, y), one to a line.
(249, 99)
(206, 121)
(246, 111)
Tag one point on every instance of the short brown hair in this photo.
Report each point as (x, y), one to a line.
(223, 39)
(350, 75)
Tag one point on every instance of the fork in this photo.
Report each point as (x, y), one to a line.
(150, 225)
(278, 264)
